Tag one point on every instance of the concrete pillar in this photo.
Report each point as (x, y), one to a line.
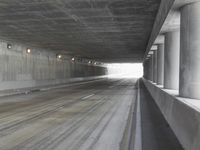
(171, 60)
(151, 68)
(155, 66)
(190, 51)
(160, 64)
(145, 69)
(148, 68)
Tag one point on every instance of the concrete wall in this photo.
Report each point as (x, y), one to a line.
(183, 115)
(19, 69)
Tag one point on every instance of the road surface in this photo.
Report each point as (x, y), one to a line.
(91, 116)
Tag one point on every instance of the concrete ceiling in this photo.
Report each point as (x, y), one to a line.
(104, 30)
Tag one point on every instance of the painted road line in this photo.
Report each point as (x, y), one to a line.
(88, 96)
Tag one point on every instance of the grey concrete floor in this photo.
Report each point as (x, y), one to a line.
(92, 116)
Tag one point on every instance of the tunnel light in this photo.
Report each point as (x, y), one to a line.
(95, 63)
(28, 50)
(89, 62)
(59, 56)
(9, 46)
(73, 59)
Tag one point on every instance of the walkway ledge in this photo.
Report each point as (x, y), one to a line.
(182, 114)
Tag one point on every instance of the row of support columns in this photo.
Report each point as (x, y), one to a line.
(176, 63)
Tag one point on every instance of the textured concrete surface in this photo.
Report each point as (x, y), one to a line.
(147, 68)
(180, 3)
(39, 68)
(172, 60)
(172, 22)
(165, 7)
(190, 51)
(155, 66)
(83, 117)
(183, 115)
(106, 30)
(167, 19)
(156, 133)
(151, 68)
(160, 64)
(160, 39)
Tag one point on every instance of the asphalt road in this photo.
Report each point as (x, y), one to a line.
(91, 116)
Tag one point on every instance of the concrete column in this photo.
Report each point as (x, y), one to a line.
(171, 60)
(148, 68)
(151, 68)
(145, 69)
(160, 64)
(155, 66)
(190, 51)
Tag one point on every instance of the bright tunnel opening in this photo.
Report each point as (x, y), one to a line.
(125, 70)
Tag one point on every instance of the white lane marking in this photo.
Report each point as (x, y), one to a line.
(88, 96)
(138, 136)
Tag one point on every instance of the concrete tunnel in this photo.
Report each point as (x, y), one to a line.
(56, 88)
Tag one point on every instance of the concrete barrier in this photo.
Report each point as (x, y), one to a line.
(71, 82)
(182, 114)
